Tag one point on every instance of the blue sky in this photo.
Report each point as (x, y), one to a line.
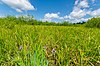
(52, 10)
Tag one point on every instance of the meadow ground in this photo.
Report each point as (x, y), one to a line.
(27, 45)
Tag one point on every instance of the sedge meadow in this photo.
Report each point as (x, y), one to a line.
(49, 32)
(42, 45)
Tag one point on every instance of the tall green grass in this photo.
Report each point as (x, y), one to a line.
(26, 45)
(29, 43)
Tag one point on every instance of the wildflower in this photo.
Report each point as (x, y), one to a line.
(53, 50)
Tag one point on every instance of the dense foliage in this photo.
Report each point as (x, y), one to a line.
(94, 22)
(26, 43)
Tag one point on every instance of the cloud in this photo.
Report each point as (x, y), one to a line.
(18, 10)
(68, 17)
(75, 20)
(19, 5)
(95, 13)
(84, 19)
(93, 1)
(74, 17)
(77, 13)
(83, 4)
(51, 16)
(76, 2)
(79, 9)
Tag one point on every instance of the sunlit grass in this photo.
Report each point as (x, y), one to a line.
(26, 45)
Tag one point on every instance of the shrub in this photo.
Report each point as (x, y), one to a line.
(94, 22)
(66, 23)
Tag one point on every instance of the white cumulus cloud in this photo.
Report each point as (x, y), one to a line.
(80, 10)
(77, 13)
(19, 5)
(51, 16)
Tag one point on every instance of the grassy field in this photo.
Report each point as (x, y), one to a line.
(27, 45)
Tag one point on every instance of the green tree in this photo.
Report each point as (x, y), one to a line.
(94, 22)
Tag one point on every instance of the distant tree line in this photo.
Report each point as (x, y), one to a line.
(29, 20)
